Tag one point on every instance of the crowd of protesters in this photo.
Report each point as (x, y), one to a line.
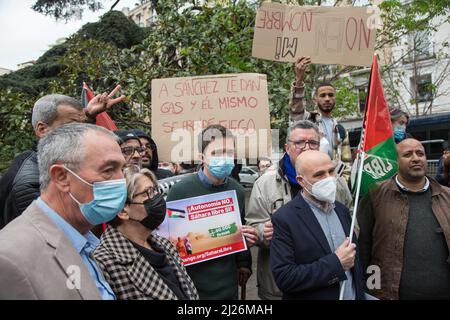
(78, 176)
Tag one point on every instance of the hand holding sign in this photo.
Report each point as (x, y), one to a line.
(300, 68)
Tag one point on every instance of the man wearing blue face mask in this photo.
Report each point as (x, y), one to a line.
(310, 253)
(217, 279)
(46, 252)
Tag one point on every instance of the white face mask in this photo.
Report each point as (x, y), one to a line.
(324, 190)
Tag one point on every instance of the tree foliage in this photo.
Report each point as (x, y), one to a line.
(187, 39)
(66, 9)
(114, 28)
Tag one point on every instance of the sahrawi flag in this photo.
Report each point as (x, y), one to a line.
(176, 213)
(103, 119)
(380, 161)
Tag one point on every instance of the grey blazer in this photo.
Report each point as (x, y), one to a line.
(37, 261)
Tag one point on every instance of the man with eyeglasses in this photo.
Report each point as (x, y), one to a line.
(150, 155)
(131, 147)
(274, 189)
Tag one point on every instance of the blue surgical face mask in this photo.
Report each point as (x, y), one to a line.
(399, 133)
(221, 167)
(109, 200)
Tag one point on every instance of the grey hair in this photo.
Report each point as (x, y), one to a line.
(302, 124)
(46, 108)
(132, 173)
(66, 145)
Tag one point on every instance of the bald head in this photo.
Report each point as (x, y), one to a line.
(313, 166)
(412, 161)
(308, 160)
(409, 143)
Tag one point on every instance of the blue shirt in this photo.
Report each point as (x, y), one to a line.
(84, 244)
(328, 128)
(204, 179)
(334, 232)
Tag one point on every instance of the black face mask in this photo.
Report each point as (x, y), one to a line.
(156, 212)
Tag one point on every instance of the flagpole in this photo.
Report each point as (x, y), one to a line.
(355, 208)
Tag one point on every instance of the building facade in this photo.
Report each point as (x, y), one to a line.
(143, 14)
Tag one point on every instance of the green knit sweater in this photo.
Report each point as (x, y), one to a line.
(215, 279)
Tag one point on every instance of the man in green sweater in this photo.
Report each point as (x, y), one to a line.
(217, 279)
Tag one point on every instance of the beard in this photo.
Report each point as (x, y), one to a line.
(414, 175)
(326, 109)
(146, 165)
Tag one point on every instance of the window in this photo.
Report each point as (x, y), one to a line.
(422, 86)
(138, 20)
(419, 45)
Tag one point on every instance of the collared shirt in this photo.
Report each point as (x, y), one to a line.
(204, 179)
(334, 232)
(403, 188)
(84, 244)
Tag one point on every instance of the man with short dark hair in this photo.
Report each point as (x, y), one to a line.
(337, 144)
(217, 279)
(405, 230)
(20, 184)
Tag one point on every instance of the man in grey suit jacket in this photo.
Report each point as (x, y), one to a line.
(46, 252)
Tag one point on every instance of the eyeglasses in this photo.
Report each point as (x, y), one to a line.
(301, 144)
(128, 151)
(150, 192)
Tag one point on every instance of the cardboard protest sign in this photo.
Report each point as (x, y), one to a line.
(329, 35)
(204, 228)
(182, 107)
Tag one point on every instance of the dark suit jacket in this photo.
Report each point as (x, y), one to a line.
(302, 263)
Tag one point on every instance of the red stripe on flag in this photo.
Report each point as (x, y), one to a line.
(377, 120)
(104, 120)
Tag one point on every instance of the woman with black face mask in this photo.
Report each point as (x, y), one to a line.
(137, 263)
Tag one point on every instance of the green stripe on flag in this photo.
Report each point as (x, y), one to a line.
(380, 164)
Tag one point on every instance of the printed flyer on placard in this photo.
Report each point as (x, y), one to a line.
(204, 228)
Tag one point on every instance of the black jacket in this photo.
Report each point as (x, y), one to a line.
(20, 186)
(159, 173)
(302, 263)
